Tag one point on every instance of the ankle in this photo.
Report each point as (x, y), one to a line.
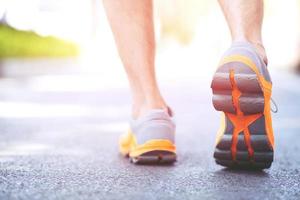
(260, 49)
(142, 108)
(258, 45)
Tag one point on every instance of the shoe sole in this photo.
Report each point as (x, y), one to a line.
(238, 93)
(155, 157)
(152, 152)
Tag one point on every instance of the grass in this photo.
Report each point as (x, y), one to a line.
(15, 43)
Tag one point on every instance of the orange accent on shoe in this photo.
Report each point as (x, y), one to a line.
(247, 137)
(128, 145)
(153, 145)
(221, 129)
(239, 120)
(126, 142)
(267, 90)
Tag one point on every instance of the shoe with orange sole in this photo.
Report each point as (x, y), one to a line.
(242, 90)
(151, 139)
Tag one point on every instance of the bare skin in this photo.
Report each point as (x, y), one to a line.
(132, 25)
(244, 19)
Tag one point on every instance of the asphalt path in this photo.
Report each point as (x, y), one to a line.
(63, 145)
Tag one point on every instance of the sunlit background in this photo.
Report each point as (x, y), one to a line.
(64, 101)
(67, 45)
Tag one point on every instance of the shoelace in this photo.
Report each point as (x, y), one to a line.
(275, 105)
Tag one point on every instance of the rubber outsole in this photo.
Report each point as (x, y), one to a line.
(155, 151)
(155, 157)
(251, 100)
(238, 93)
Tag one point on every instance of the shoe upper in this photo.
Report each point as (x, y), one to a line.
(156, 124)
(245, 54)
(248, 50)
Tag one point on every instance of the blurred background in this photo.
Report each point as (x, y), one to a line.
(193, 33)
(64, 101)
(67, 45)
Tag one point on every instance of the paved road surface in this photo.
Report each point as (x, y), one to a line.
(63, 145)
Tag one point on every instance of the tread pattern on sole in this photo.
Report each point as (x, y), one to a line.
(250, 102)
(252, 97)
(155, 157)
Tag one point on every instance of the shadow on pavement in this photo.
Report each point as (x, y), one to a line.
(244, 172)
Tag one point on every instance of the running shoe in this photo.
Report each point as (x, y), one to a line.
(242, 90)
(150, 139)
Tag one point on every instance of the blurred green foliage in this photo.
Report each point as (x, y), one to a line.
(15, 43)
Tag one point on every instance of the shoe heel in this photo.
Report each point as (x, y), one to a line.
(155, 157)
(154, 152)
(237, 91)
(222, 92)
(251, 100)
(262, 152)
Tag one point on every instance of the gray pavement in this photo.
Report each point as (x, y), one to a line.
(63, 145)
